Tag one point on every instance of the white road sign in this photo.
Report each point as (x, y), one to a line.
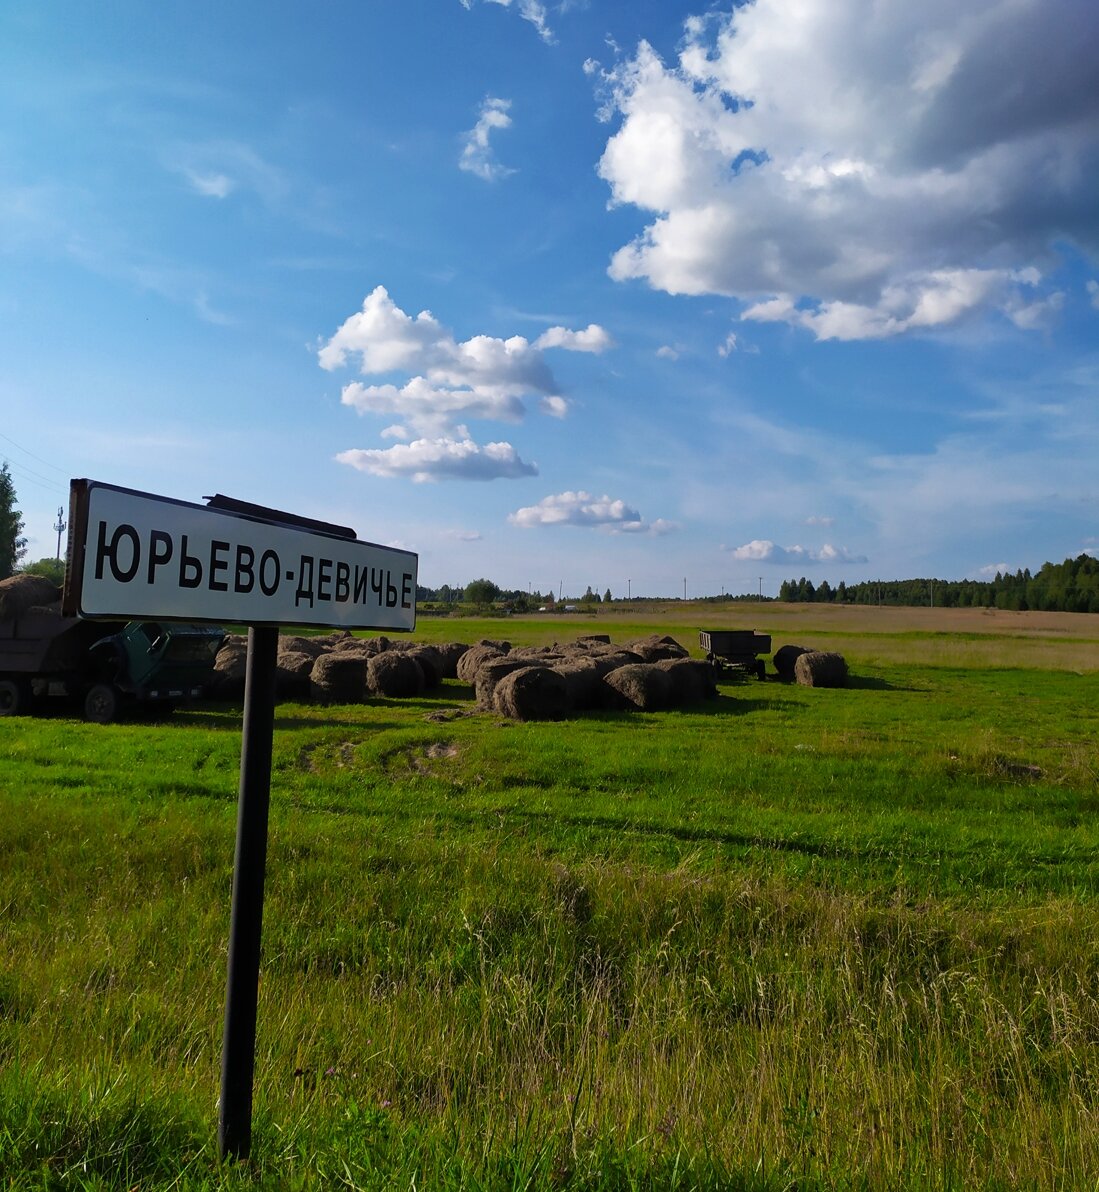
(134, 555)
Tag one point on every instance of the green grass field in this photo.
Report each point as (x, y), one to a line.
(792, 939)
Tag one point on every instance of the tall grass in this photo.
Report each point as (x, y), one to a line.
(794, 939)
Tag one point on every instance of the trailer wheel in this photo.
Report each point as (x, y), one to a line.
(14, 697)
(101, 704)
(761, 669)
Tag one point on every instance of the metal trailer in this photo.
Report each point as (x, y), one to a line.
(104, 664)
(728, 649)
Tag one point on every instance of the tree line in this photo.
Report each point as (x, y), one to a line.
(1068, 587)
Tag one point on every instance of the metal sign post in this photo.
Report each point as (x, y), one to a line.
(136, 555)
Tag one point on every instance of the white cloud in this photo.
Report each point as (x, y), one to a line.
(582, 509)
(592, 339)
(857, 169)
(477, 153)
(819, 521)
(530, 10)
(483, 377)
(729, 346)
(763, 550)
(667, 352)
(215, 186)
(441, 459)
(991, 569)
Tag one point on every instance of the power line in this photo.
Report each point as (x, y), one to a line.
(54, 467)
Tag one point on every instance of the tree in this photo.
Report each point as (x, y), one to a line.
(12, 543)
(607, 596)
(481, 591)
(51, 569)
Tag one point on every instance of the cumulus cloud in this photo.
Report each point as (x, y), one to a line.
(530, 10)
(763, 550)
(483, 377)
(441, 459)
(592, 339)
(667, 352)
(582, 509)
(477, 153)
(857, 169)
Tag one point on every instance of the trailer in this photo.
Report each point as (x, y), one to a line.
(736, 649)
(107, 666)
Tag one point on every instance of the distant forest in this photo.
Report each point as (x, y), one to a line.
(1068, 587)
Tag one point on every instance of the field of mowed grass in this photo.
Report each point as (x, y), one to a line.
(791, 938)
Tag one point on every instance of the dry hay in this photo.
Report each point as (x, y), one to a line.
(471, 660)
(20, 593)
(338, 679)
(449, 653)
(294, 644)
(596, 639)
(784, 659)
(613, 660)
(692, 680)
(333, 640)
(655, 647)
(502, 646)
(292, 671)
(532, 693)
(583, 679)
(395, 674)
(534, 652)
(230, 667)
(490, 672)
(641, 685)
(815, 668)
(430, 663)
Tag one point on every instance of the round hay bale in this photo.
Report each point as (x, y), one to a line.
(230, 668)
(21, 593)
(502, 646)
(533, 652)
(815, 668)
(583, 681)
(449, 654)
(784, 659)
(656, 647)
(532, 693)
(692, 680)
(395, 674)
(614, 659)
(292, 671)
(295, 644)
(490, 672)
(595, 639)
(430, 663)
(333, 640)
(640, 685)
(338, 679)
(471, 660)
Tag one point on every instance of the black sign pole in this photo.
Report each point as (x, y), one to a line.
(238, 1051)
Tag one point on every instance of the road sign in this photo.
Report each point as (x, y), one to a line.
(138, 556)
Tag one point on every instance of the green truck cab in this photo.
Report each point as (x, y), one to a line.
(109, 666)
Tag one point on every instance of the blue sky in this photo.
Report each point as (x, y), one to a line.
(608, 294)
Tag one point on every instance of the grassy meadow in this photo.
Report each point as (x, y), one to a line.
(790, 939)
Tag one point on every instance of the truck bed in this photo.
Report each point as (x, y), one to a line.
(44, 642)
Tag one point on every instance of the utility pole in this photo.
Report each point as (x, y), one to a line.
(60, 527)
(629, 589)
(684, 587)
(761, 589)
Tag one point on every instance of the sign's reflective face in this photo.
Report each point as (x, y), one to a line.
(136, 555)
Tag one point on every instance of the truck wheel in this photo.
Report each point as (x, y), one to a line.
(761, 669)
(101, 704)
(13, 697)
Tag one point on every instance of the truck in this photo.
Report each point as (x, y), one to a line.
(108, 667)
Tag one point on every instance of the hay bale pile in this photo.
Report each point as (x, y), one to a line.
(470, 662)
(641, 685)
(292, 671)
(815, 668)
(692, 680)
(230, 667)
(490, 672)
(784, 659)
(395, 673)
(338, 678)
(532, 693)
(20, 593)
(656, 647)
